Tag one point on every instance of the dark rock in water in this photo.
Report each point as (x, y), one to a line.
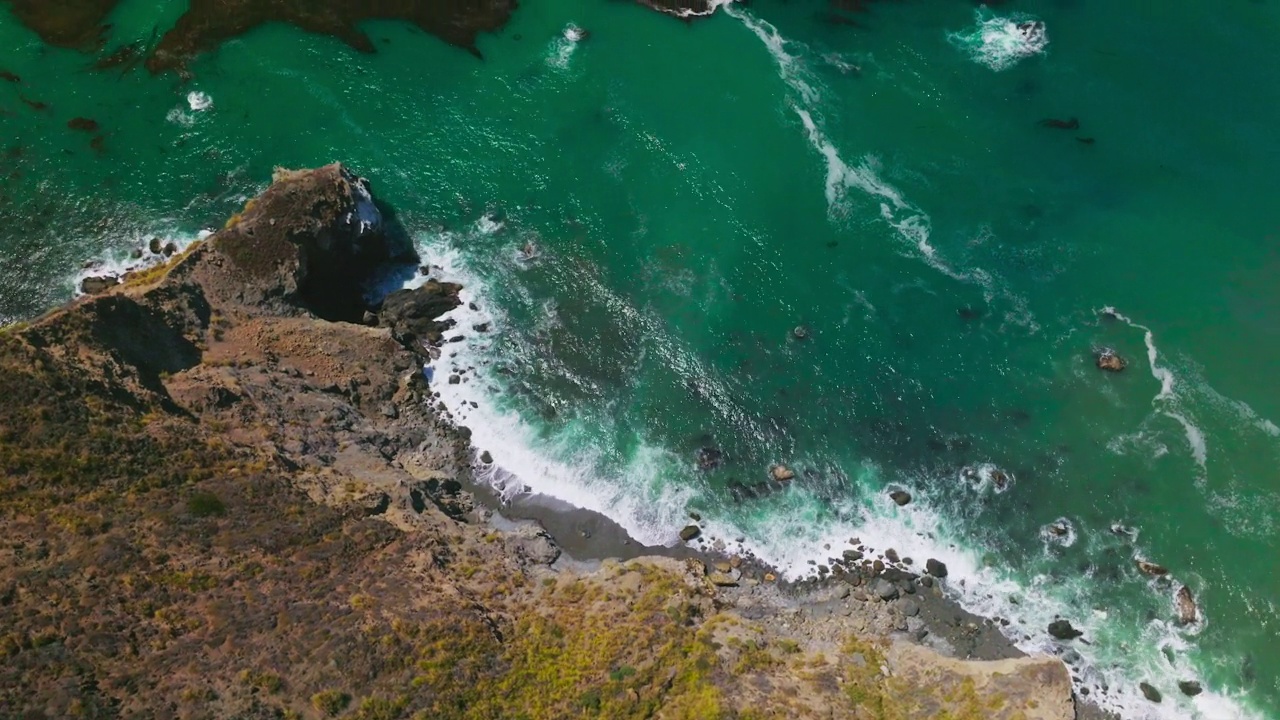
(208, 23)
(999, 479)
(1190, 688)
(135, 254)
(76, 24)
(486, 457)
(1150, 692)
(690, 532)
(936, 568)
(1107, 359)
(681, 8)
(155, 246)
(10, 77)
(884, 589)
(1063, 630)
(891, 555)
(1152, 569)
(852, 556)
(968, 313)
(96, 285)
(782, 473)
(412, 314)
(170, 248)
(83, 124)
(800, 332)
(1185, 604)
(902, 497)
(1071, 124)
(709, 458)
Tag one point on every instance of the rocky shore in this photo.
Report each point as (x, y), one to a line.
(227, 490)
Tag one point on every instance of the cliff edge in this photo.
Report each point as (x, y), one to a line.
(227, 491)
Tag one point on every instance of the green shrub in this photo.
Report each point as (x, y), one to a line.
(205, 504)
(330, 702)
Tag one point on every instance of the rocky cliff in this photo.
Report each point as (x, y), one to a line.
(226, 491)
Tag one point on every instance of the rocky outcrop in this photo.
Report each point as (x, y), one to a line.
(220, 499)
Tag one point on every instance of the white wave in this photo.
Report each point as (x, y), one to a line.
(199, 101)
(712, 6)
(117, 263)
(178, 116)
(999, 42)
(560, 53)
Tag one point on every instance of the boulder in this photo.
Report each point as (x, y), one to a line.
(852, 556)
(936, 568)
(1108, 360)
(901, 497)
(412, 315)
(1063, 630)
(1152, 569)
(891, 555)
(98, 285)
(782, 473)
(690, 532)
(446, 495)
(1185, 604)
(1150, 692)
(1190, 688)
(720, 579)
(884, 589)
(155, 246)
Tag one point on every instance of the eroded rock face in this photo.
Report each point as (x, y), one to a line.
(209, 23)
(315, 238)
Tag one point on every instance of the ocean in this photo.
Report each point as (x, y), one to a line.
(880, 247)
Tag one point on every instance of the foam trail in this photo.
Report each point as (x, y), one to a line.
(117, 264)
(912, 225)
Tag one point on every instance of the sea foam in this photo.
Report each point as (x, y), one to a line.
(1001, 42)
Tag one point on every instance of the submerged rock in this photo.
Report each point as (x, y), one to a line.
(901, 497)
(1063, 630)
(1190, 688)
(936, 568)
(208, 23)
(1152, 569)
(782, 473)
(1107, 359)
(709, 458)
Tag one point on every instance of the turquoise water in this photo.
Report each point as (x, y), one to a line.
(697, 191)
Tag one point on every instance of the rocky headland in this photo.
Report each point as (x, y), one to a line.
(226, 490)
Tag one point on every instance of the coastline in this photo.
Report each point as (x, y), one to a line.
(256, 415)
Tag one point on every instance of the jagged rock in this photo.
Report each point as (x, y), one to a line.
(447, 495)
(884, 589)
(1063, 630)
(901, 497)
(1185, 604)
(533, 545)
(98, 285)
(1150, 692)
(374, 503)
(690, 532)
(720, 579)
(936, 568)
(1152, 569)
(413, 315)
(782, 473)
(1107, 359)
(1190, 688)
